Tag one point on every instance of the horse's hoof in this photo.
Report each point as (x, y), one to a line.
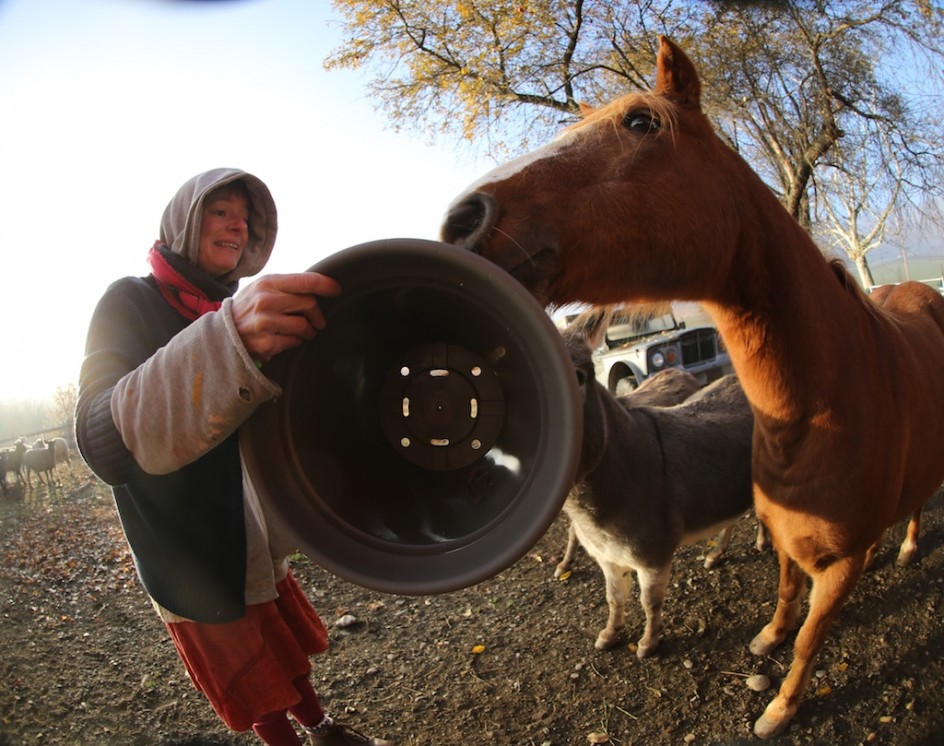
(761, 646)
(765, 728)
(906, 556)
(775, 718)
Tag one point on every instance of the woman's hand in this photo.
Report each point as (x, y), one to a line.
(278, 312)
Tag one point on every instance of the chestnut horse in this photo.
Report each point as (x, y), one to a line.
(642, 201)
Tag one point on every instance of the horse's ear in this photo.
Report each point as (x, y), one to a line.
(585, 109)
(676, 77)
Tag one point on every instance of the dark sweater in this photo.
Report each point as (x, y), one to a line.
(186, 529)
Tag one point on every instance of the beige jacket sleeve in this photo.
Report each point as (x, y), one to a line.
(190, 395)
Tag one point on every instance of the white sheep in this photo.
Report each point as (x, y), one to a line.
(62, 454)
(41, 458)
(11, 460)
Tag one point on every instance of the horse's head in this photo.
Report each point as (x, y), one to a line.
(625, 199)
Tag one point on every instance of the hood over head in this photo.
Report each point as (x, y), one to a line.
(180, 225)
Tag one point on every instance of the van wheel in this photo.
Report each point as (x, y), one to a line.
(626, 385)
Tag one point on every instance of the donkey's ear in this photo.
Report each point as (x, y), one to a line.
(585, 109)
(676, 77)
(581, 377)
(591, 325)
(599, 322)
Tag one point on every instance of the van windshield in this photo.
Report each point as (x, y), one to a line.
(631, 326)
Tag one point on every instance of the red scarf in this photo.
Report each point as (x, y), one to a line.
(189, 300)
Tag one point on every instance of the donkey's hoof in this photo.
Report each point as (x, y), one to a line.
(606, 639)
(645, 648)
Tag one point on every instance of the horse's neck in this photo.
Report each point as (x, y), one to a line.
(779, 317)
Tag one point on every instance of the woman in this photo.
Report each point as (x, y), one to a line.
(172, 369)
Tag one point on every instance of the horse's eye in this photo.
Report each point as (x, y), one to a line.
(641, 121)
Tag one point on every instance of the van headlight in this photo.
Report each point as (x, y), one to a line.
(664, 357)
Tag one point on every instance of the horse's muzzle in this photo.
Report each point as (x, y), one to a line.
(469, 221)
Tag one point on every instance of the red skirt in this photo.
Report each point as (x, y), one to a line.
(246, 668)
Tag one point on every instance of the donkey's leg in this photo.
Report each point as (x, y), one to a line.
(910, 545)
(569, 553)
(652, 585)
(723, 542)
(619, 584)
(790, 592)
(831, 589)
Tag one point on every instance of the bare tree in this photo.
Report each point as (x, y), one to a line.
(857, 207)
(62, 409)
(785, 82)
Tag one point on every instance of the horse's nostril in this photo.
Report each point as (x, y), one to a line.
(463, 220)
(467, 221)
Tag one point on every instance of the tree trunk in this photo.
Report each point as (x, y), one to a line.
(865, 273)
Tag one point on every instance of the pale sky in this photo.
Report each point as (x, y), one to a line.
(108, 106)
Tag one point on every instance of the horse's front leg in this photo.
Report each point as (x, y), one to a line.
(619, 584)
(790, 592)
(909, 546)
(831, 589)
(652, 585)
(762, 540)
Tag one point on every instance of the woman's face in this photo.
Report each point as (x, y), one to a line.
(224, 232)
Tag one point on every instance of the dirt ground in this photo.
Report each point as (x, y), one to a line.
(86, 661)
